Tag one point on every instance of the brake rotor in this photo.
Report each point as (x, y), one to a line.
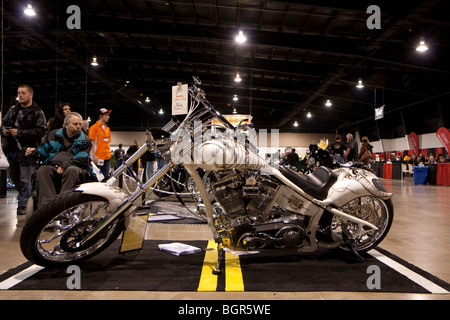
(71, 241)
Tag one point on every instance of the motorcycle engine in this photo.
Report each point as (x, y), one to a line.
(227, 190)
(247, 211)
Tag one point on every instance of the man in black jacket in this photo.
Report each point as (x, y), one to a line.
(23, 126)
(339, 149)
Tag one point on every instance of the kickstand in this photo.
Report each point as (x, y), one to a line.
(220, 259)
(349, 244)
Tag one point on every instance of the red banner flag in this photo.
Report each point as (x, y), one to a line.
(444, 136)
(414, 142)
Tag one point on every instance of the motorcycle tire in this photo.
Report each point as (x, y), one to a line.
(52, 236)
(329, 223)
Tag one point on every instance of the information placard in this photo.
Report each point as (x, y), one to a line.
(180, 99)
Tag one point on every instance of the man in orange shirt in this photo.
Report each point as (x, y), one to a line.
(100, 134)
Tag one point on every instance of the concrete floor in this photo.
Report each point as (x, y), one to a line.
(420, 235)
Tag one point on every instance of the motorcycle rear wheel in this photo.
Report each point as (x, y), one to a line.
(53, 236)
(369, 208)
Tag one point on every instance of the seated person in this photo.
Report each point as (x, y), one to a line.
(414, 161)
(431, 159)
(441, 159)
(65, 156)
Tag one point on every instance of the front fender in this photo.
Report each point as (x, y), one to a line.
(353, 183)
(114, 195)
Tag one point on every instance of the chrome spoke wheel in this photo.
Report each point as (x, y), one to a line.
(368, 208)
(62, 237)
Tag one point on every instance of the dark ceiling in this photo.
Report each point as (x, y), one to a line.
(297, 56)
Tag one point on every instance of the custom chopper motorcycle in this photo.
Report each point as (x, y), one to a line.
(248, 203)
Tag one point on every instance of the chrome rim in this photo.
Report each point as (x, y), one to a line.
(368, 208)
(60, 239)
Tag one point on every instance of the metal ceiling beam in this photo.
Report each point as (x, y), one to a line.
(317, 92)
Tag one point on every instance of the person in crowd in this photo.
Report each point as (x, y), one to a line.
(353, 146)
(150, 161)
(441, 158)
(413, 161)
(23, 126)
(159, 160)
(58, 120)
(365, 153)
(130, 151)
(420, 160)
(276, 156)
(65, 157)
(119, 154)
(393, 157)
(283, 159)
(292, 158)
(431, 159)
(100, 134)
(339, 149)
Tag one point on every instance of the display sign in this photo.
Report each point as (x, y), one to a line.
(379, 113)
(180, 99)
(444, 136)
(323, 144)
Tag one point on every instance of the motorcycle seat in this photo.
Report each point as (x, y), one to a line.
(316, 184)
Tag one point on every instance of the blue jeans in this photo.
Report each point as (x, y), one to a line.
(21, 177)
(105, 168)
(340, 159)
(149, 169)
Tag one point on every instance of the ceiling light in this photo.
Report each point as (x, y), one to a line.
(94, 62)
(161, 111)
(309, 115)
(235, 98)
(29, 11)
(328, 103)
(360, 84)
(422, 47)
(89, 119)
(295, 124)
(147, 99)
(238, 78)
(240, 38)
(234, 111)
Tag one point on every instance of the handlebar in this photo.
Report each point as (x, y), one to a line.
(199, 95)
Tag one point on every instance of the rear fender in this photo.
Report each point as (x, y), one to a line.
(353, 183)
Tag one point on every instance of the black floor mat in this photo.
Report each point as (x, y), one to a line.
(155, 270)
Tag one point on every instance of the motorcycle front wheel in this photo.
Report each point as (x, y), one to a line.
(54, 235)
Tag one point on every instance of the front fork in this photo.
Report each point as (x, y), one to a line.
(128, 203)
